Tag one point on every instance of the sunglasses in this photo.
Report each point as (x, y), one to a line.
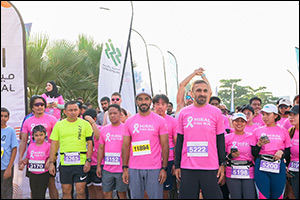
(283, 106)
(39, 104)
(115, 99)
(189, 97)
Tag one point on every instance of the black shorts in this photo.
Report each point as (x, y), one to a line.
(92, 178)
(72, 174)
(168, 184)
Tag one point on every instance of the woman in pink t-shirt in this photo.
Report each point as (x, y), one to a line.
(37, 161)
(249, 112)
(293, 161)
(240, 168)
(55, 101)
(270, 145)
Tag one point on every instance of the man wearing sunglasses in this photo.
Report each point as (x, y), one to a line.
(115, 99)
(38, 105)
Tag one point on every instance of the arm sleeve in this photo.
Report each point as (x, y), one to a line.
(255, 151)
(178, 150)
(287, 155)
(221, 148)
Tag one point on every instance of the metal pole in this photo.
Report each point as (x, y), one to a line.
(163, 66)
(147, 59)
(294, 80)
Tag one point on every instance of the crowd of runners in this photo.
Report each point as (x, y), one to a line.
(200, 150)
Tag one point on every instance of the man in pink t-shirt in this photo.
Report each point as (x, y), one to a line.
(146, 147)
(255, 102)
(200, 148)
(160, 105)
(110, 149)
(38, 106)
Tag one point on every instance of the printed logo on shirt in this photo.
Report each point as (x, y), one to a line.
(112, 137)
(197, 121)
(33, 125)
(3, 139)
(142, 127)
(79, 132)
(37, 153)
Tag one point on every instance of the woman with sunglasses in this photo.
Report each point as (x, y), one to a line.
(54, 100)
(283, 106)
(270, 144)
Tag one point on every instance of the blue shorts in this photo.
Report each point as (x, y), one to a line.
(168, 184)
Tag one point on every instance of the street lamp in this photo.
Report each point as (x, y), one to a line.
(163, 65)
(294, 80)
(147, 59)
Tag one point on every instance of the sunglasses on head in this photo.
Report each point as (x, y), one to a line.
(39, 104)
(189, 97)
(115, 99)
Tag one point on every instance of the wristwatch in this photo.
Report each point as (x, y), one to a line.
(89, 159)
(164, 168)
(124, 166)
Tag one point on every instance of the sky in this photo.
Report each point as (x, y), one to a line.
(254, 41)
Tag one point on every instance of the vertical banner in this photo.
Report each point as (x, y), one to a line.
(13, 80)
(116, 27)
(297, 56)
(232, 100)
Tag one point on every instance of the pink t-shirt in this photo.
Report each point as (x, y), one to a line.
(54, 111)
(287, 124)
(95, 150)
(38, 156)
(227, 124)
(251, 129)
(278, 136)
(242, 142)
(48, 121)
(258, 120)
(112, 138)
(295, 146)
(145, 148)
(200, 127)
(172, 125)
(281, 121)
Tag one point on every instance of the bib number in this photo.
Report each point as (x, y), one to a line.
(141, 148)
(240, 172)
(36, 166)
(267, 166)
(197, 149)
(294, 166)
(72, 158)
(112, 158)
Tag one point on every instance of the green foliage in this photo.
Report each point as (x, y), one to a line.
(73, 67)
(242, 94)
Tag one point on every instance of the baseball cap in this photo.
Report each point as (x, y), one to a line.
(248, 107)
(294, 110)
(143, 91)
(269, 108)
(285, 102)
(239, 115)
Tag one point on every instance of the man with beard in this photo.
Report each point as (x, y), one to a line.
(200, 147)
(105, 102)
(146, 147)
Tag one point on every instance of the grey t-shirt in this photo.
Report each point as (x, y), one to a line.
(99, 120)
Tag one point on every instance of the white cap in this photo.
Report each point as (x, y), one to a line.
(143, 91)
(270, 108)
(239, 115)
(285, 102)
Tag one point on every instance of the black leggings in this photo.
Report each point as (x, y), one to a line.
(38, 184)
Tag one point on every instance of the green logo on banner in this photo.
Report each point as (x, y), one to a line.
(113, 53)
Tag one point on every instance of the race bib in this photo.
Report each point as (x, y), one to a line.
(72, 158)
(36, 166)
(141, 148)
(197, 149)
(294, 166)
(2, 151)
(240, 171)
(112, 158)
(268, 166)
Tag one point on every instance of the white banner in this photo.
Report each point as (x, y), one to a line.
(115, 27)
(13, 81)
